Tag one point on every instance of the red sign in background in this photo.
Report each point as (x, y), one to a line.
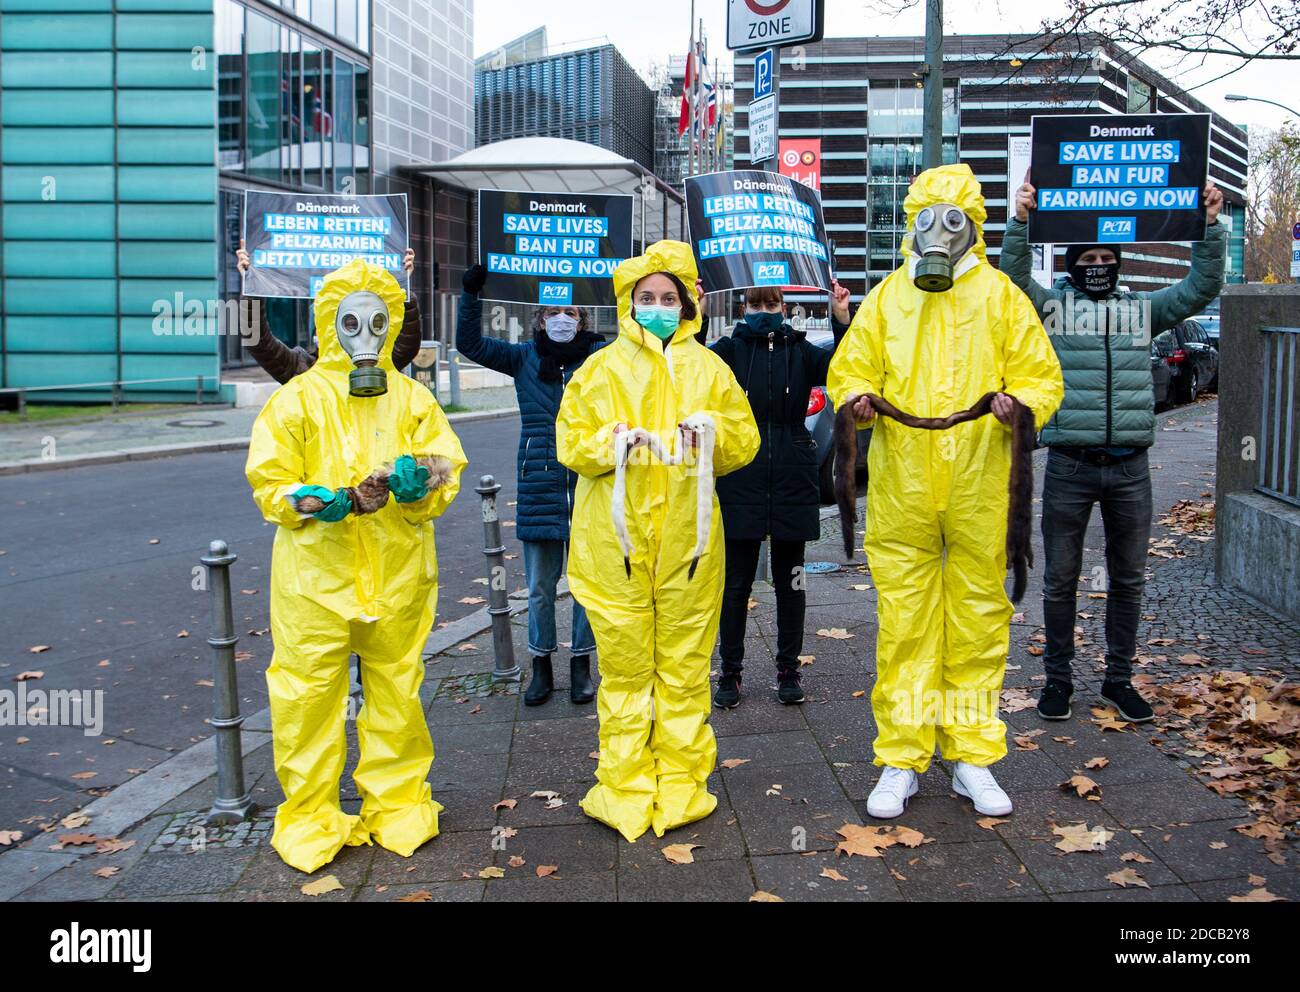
(801, 160)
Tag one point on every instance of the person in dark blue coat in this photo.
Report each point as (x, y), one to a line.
(776, 495)
(541, 368)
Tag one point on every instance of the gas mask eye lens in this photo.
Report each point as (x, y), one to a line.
(377, 322)
(925, 219)
(350, 323)
(954, 220)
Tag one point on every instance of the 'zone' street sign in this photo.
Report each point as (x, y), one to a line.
(773, 23)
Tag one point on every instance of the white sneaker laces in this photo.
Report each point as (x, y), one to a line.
(979, 779)
(895, 781)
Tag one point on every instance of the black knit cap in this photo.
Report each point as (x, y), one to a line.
(1072, 253)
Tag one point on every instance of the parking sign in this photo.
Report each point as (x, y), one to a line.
(763, 73)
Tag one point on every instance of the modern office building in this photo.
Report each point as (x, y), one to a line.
(862, 98)
(591, 95)
(131, 129)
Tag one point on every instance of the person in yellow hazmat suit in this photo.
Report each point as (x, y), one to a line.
(937, 334)
(648, 423)
(348, 577)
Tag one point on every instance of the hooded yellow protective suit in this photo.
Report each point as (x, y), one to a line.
(655, 629)
(367, 584)
(936, 514)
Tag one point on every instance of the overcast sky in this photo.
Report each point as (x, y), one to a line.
(648, 33)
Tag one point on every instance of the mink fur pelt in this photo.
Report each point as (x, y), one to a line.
(370, 495)
(1020, 485)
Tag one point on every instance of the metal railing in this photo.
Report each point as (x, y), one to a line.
(1279, 459)
(115, 385)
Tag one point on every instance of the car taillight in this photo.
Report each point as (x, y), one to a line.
(816, 401)
(1177, 357)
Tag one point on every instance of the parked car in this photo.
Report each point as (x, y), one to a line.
(820, 422)
(1209, 319)
(1191, 358)
(1162, 375)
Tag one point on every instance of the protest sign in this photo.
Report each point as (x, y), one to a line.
(295, 239)
(553, 249)
(751, 228)
(1121, 178)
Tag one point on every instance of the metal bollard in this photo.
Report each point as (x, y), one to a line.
(505, 668)
(233, 803)
(453, 375)
(198, 392)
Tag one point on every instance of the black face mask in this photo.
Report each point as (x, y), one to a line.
(1097, 281)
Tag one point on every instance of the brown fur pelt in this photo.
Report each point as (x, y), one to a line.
(310, 505)
(845, 439)
(1020, 484)
(371, 494)
(439, 470)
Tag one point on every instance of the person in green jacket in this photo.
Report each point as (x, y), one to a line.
(1099, 437)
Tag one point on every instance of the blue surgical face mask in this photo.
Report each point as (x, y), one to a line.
(660, 321)
(764, 322)
(561, 328)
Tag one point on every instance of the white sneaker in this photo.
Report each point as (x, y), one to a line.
(978, 785)
(889, 798)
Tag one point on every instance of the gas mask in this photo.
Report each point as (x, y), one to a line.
(941, 235)
(362, 326)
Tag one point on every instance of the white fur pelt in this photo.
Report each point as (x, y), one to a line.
(702, 424)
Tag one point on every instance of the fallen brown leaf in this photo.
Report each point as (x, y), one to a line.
(679, 854)
(319, 887)
(1126, 878)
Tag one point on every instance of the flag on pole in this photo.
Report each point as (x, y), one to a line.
(691, 117)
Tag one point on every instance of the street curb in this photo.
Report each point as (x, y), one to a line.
(195, 448)
(138, 798)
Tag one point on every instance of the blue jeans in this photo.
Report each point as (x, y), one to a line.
(543, 563)
(1123, 490)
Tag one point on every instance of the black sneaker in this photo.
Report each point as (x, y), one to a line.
(788, 690)
(1125, 698)
(1054, 700)
(728, 695)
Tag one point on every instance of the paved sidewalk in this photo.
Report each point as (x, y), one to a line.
(54, 443)
(790, 778)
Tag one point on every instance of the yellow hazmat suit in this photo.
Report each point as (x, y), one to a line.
(655, 629)
(936, 516)
(367, 584)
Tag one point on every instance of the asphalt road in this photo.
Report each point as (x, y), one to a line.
(99, 565)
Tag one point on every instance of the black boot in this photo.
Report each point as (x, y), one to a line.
(539, 689)
(580, 688)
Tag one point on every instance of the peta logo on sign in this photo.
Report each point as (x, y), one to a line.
(1116, 228)
(771, 273)
(555, 294)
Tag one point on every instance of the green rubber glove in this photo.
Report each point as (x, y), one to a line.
(337, 503)
(408, 482)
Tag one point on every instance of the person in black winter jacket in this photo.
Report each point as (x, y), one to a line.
(776, 495)
(541, 368)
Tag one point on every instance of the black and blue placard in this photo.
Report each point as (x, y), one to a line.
(296, 239)
(753, 228)
(1118, 178)
(553, 249)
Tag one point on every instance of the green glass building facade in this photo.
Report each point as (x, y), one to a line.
(129, 131)
(109, 218)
